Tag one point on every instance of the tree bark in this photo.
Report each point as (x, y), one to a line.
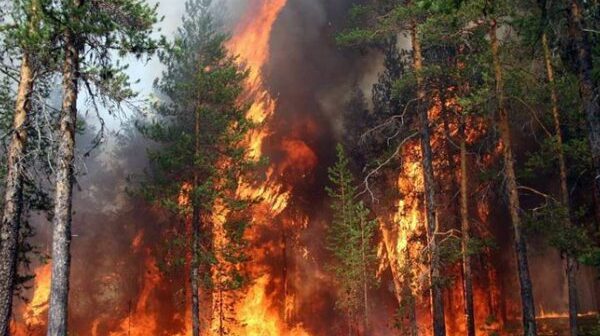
(61, 237)
(437, 295)
(571, 263)
(364, 278)
(529, 323)
(588, 91)
(194, 274)
(13, 195)
(465, 229)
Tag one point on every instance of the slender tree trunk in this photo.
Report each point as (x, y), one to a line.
(466, 228)
(61, 237)
(221, 314)
(194, 274)
(571, 263)
(529, 323)
(365, 278)
(13, 195)
(437, 295)
(573, 294)
(588, 91)
(408, 297)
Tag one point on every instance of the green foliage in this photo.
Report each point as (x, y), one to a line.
(200, 126)
(23, 30)
(350, 239)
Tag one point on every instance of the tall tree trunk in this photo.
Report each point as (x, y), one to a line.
(437, 295)
(529, 323)
(61, 237)
(588, 90)
(408, 298)
(465, 229)
(571, 264)
(221, 313)
(364, 278)
(194, 273)
(13, 195)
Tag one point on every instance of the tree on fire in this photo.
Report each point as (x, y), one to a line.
(468, 68)
(489, 99)
(350, 239)
(202, 127)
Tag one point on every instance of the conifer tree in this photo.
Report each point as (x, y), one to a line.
(92, 35)
(565, 199)
(202, 127)
(350, 240)
(478, 23)
(380, 21)
(579, 36)
(28, 38)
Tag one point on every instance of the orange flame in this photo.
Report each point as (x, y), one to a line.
(142, 319)
(251, 41)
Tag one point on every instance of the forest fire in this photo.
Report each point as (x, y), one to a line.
(430, 169)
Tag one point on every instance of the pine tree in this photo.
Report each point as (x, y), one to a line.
(28, 37)
(382, 20)
(571, 263)
(202, 127)
(350, 240)
(91, 31)
(479, 22)
(580, 38)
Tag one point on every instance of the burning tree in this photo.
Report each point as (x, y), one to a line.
(202, 128)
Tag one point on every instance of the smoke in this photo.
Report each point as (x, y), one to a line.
(311, 78)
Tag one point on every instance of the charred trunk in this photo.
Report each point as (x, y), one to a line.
(13, 195)
(527, 302)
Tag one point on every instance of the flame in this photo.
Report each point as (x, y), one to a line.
(259, 318)
(403, 234)
(142, 319)
(251, 41)
(542, 314)
(33, 317)
(41, 294)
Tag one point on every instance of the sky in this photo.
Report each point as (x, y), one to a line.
(147, 72)
(172, 10)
